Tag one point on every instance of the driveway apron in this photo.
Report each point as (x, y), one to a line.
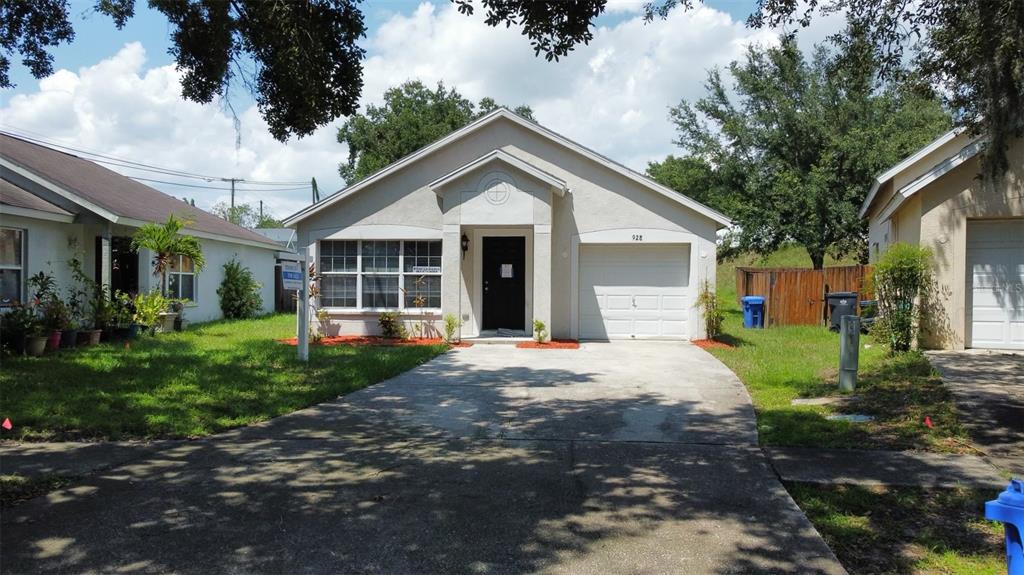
(632, 457)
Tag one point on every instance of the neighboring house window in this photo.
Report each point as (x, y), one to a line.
(372, 274)
(12, 270)
(181, 278)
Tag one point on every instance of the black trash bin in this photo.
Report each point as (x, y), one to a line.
(840, 303)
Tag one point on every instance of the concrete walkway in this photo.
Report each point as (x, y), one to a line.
(615, 458)
(888, 468)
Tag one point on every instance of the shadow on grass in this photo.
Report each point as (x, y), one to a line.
(904, 530)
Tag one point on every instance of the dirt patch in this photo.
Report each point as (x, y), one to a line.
(553, 344)
(375, 340)
(711, 344)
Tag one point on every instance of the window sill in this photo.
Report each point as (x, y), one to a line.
(377, 311)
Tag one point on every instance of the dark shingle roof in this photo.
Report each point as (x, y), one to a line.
(12, 195)
(113, 192)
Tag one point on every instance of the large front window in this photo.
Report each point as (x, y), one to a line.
(12, 266)
(380, 274)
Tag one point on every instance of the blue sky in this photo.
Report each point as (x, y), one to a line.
(117, 92)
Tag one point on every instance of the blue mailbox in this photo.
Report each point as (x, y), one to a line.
(753, 311)
(1008, 508)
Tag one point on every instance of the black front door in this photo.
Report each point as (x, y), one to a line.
(504, 277)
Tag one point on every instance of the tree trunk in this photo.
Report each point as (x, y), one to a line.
(817, 258)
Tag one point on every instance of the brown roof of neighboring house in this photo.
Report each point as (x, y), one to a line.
(115, 193)
(12, 195)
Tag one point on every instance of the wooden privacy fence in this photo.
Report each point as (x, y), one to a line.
(796, 296)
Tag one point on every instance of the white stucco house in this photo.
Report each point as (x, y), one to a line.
(936, 198)
(503, 222)
(55, 206)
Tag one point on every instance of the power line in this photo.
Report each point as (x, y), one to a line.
(131, 164)
(216, 187)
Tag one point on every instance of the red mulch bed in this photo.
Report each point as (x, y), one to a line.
(374, 340)
(553, 344)
(711, 344)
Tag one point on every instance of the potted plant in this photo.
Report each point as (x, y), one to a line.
(56, 319)
(35, 343)
(15, 326)
(121, 312)
(177, 306)
(90, 303)
(148, 308)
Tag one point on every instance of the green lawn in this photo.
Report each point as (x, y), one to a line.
(905, 530)
(784, 363)
(210, 378)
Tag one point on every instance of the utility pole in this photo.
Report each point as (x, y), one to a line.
(261, 211)
(316, 191)
(232, 180)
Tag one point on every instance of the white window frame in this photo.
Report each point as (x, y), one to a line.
(24, 263)
(359, 273)
(195, 281)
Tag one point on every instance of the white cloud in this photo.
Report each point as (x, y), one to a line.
(612, 96)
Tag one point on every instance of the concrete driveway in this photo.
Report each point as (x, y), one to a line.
(615, 458)
(988, 387)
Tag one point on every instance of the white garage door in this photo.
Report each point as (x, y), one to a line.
(995, 270)
(634, 291)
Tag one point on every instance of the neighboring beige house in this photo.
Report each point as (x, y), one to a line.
(503, 222)
(935, 198)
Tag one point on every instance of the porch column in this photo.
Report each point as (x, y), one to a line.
(541, 276)
(451, 271)
(105, 257)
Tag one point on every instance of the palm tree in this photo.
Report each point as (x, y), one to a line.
(166, 243)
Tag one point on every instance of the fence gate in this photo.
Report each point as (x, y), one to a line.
(796, 296)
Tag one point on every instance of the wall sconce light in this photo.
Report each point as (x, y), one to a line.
(465, 245)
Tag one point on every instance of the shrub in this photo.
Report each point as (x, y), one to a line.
(707, 301)
(540, 331)
(451, 323)
(16, 325)
(390, 326)
(148, 308)
(239, 292)
(902, 281)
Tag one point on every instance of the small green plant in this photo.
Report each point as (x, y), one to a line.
(55, 313)
(390, 326)
(707, 301)
(17, 324)
(44, 287)
(451, 324)
(148, 308)
(122, 309)
(903, 282)
(540, 331)
(239, 292)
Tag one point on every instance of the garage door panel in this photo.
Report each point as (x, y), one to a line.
(995, 257)
(639, 291)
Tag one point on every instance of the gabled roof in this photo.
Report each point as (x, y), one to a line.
(905, 165)
(502, 156)
(16, 201)
(534, 127)
(80, 185)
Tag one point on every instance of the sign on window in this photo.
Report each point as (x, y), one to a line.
(426, 269)
(506, 270)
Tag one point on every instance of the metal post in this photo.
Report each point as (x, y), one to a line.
(302, 308)
(849, 352)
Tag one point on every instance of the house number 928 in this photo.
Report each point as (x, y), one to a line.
(638, 237)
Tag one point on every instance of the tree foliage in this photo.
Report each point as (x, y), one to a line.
(166, 241)
(245, 215)
(300, 59)
(970, 51)
(695, 178)
(411, 117)
(797, 141)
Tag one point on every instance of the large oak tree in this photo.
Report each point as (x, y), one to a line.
(796, 141)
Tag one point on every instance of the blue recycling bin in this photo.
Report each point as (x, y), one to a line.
(753, 311)
(1008, 508)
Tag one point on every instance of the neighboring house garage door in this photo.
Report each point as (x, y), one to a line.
(634, 291)
(995, 272)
